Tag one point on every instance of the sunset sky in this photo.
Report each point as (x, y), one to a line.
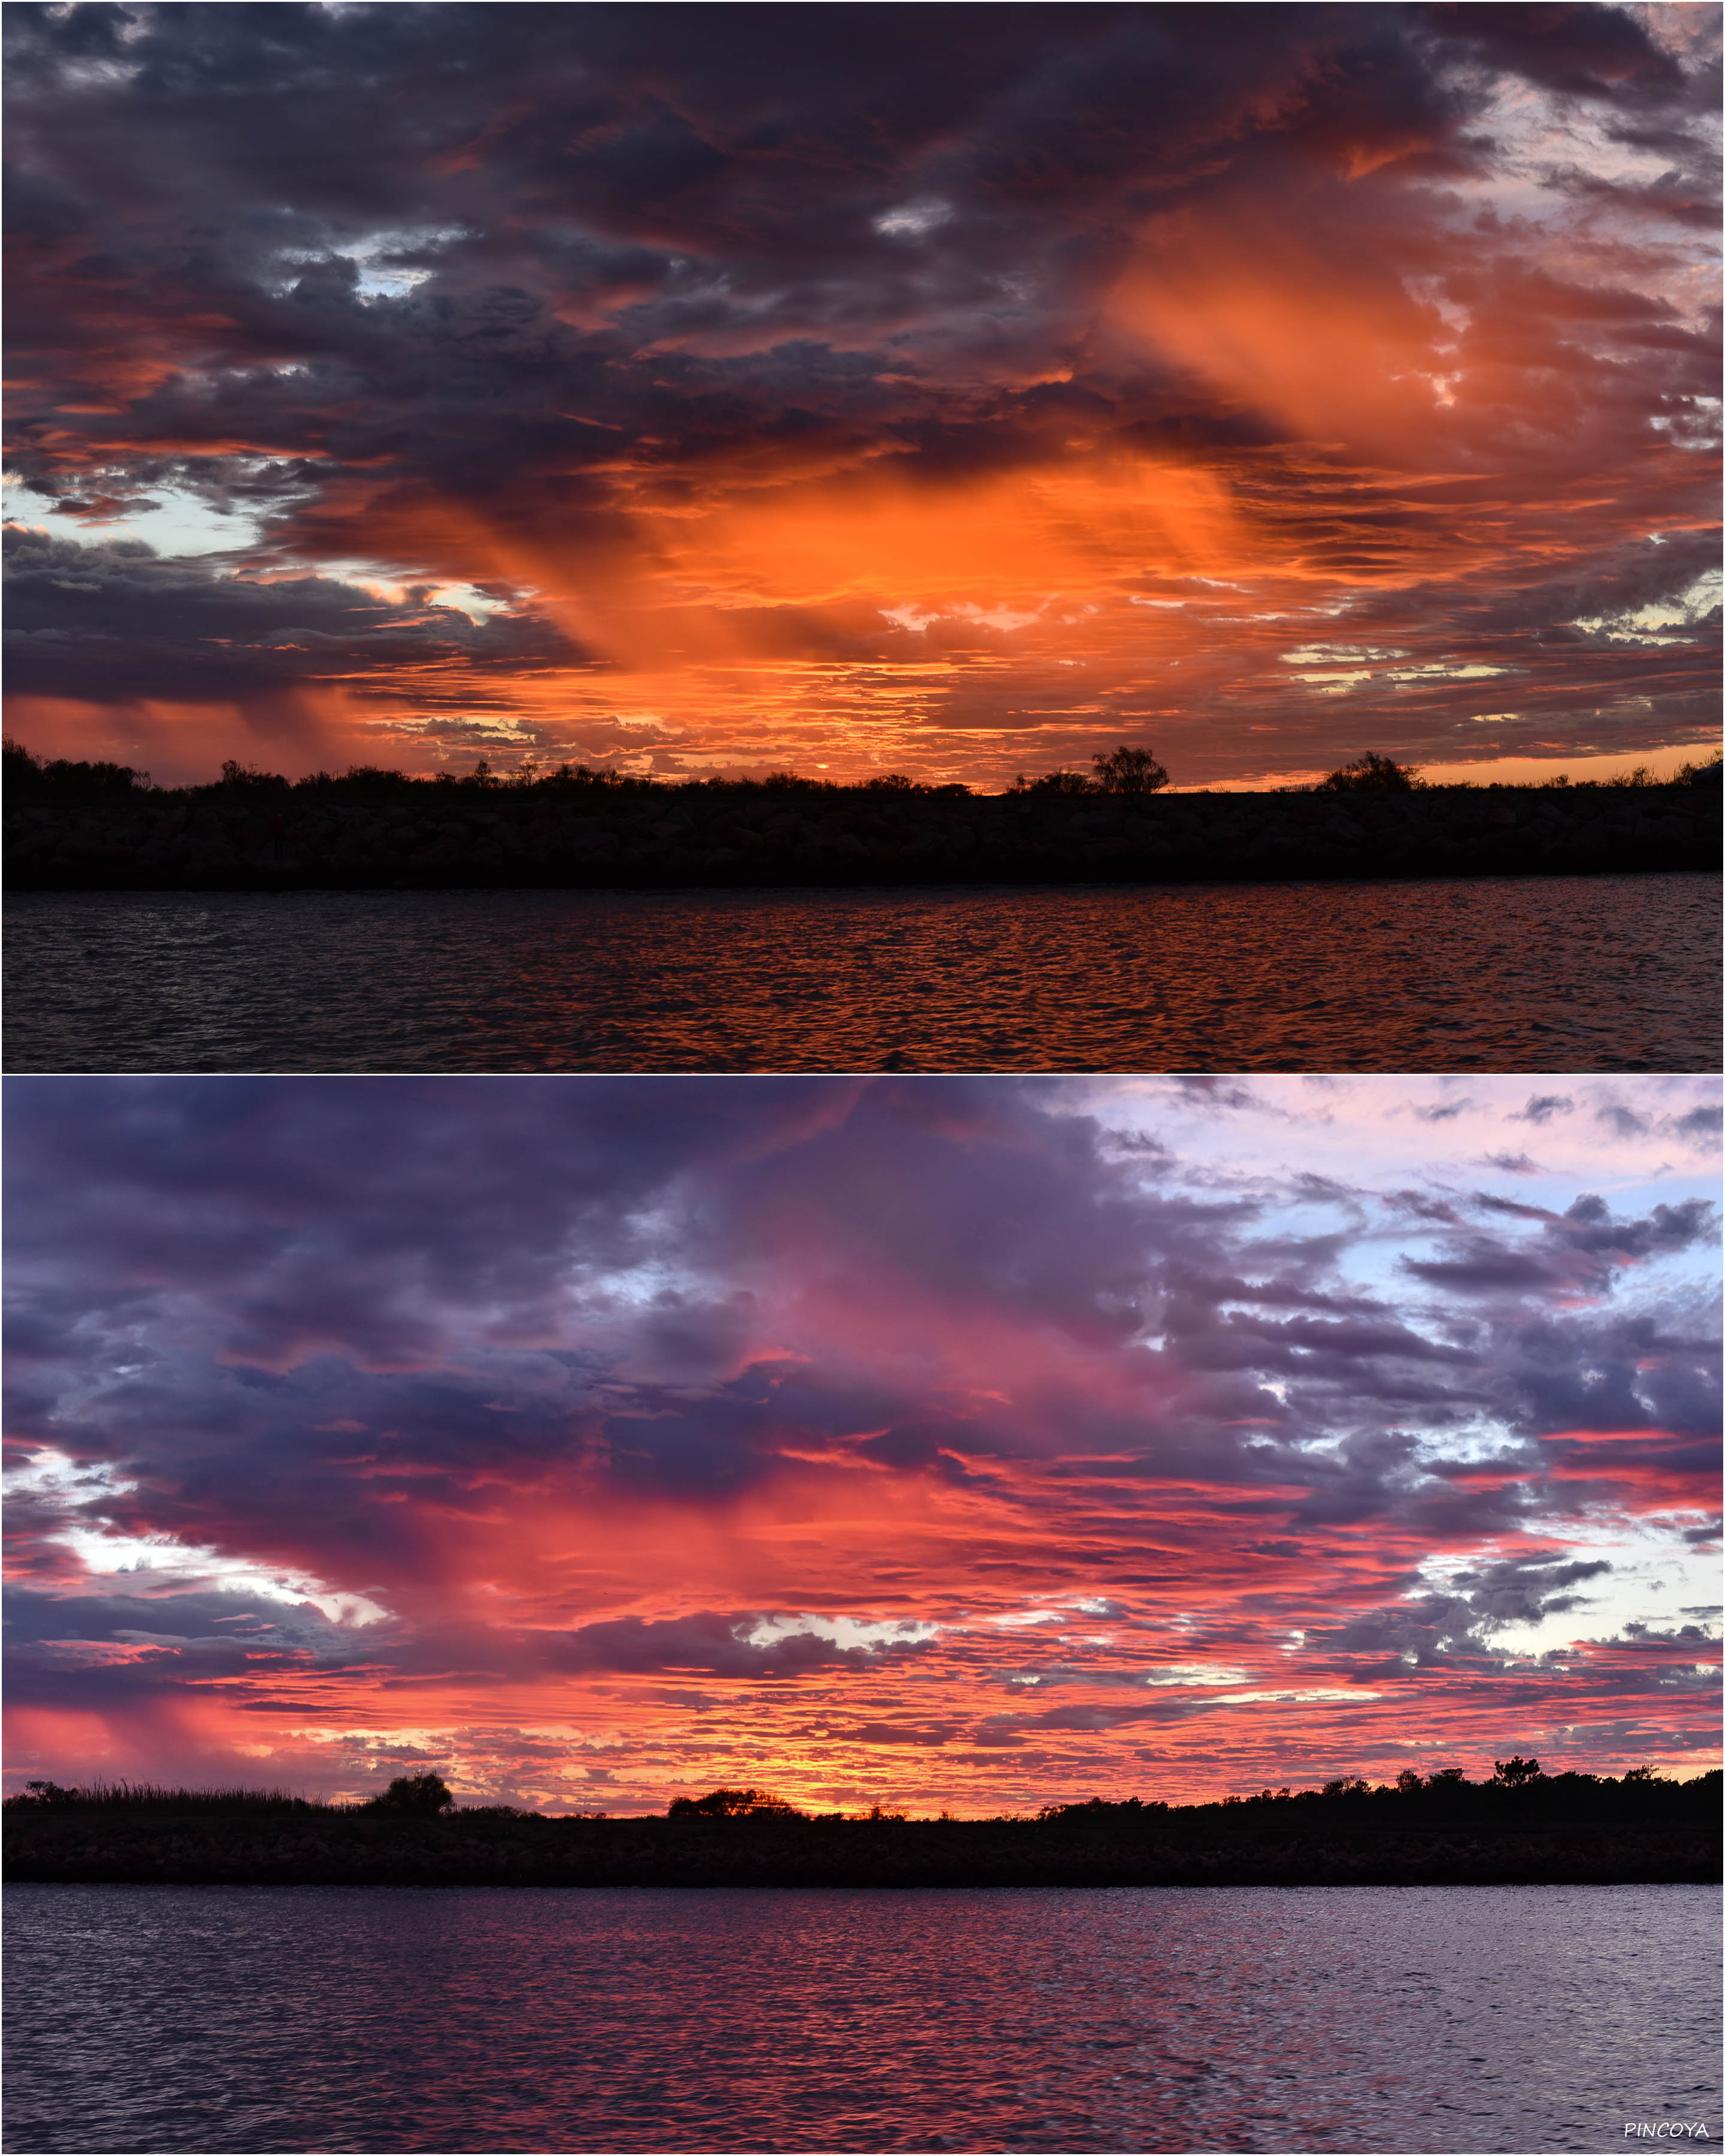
(964, 1442)
(954, 390)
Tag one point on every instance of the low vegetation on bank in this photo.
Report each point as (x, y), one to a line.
(1519, 1828)
(1122, 771)
(1517, 1792)
(101, 827)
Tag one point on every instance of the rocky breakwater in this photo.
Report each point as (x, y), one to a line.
(422, 835)
(494, 1848)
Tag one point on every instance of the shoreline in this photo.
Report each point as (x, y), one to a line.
(255, 838)
(477, 1850)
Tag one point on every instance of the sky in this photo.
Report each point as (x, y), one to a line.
(963, 1443)
(944, 390)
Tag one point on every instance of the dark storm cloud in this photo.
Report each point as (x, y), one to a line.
(96, 1651)
(483, 1194)
(344, 1322)
(1700, 1125)
(1613, 1371)
(1519, 1590)
(550, 156)
(111, 617)
(393, 277)
(706, 1643)
(1581, 1248)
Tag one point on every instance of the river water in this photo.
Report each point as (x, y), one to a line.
(1569, 974)
(313, 2019)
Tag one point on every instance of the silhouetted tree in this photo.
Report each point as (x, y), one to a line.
(1127, 770)
(425, 1795)
(1513, 1774)
(1371, 774)
(732, 1804)
(25, 773)
(237, 774)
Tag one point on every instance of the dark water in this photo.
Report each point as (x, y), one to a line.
(160, 2018)
(1570, 974)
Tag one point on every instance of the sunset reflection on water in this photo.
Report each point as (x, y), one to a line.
(1364, 2018)
(1539, 973)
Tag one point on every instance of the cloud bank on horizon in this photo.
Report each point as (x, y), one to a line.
(935, 389)
(970, 1442)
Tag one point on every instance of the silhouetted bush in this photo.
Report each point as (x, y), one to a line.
(25, 773)
(1054, 782)
(47, 1793)
(1127, 770)
(423, 1796)
(733, 1804)
(1371, 773)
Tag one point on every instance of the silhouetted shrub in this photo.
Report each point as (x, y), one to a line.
(49, 1794)
(1371, 773)
(25, 773)
(733, 1804)
(1098, 1811)
(247, 778)
(1127, 770)
(422, 1795)
(1055, 781)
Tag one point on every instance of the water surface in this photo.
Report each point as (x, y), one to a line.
(1571, 973)
(314, 2018)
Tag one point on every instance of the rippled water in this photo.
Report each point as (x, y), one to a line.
(162, 2018)
(1535, 974)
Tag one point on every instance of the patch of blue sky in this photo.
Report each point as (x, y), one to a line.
(179, 523)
